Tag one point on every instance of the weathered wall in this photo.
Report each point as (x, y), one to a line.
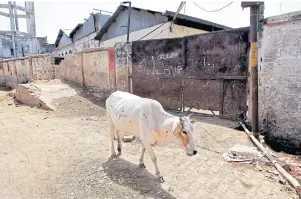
(96, 71)
(10, 73)
(22, 70)
(43, 67)
(123, 61)
(2, 80)
(280, 82)
(71, 68)
(93, 68)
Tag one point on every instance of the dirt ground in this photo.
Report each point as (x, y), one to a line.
(64, 154)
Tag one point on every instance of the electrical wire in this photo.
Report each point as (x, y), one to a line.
(152, 31)
(213, 10)
(160, 32)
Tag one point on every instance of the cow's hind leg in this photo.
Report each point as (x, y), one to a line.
(111, 129)
(141, 159)
(119, 146)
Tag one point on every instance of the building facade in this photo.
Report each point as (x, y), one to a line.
(104, 30)
(81, 37)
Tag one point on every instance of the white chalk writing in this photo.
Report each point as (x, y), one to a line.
(167, 56)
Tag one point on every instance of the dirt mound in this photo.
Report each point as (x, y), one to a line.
(31, 95)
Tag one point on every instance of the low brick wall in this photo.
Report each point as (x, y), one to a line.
(92, 68)
(22, 70)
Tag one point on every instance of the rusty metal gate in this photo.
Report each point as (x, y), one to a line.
(207, 71)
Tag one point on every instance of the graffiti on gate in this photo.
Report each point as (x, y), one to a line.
(159, 66)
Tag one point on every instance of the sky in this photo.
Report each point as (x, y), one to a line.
(54, 15)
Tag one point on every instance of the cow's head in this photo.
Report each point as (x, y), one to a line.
(183, 129)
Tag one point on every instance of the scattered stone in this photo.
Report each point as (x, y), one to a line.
(121, 181)
(244, 154)
(273, 172)
(258, 167)
(282, 181)
(128, 138)
(89, 118)
(100, 169)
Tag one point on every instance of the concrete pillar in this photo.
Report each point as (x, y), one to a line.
(31, 27)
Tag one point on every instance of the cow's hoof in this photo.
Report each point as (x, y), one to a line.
(141, 165)
(119, 149)
(113, 156)
(160, 179)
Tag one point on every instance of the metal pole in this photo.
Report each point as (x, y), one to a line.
(253, 63)
(16, 16)
(127, 45)
(17, 28)
(129, 22)
(254, 69)
(12, 26)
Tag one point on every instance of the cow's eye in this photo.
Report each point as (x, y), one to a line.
(185, 132)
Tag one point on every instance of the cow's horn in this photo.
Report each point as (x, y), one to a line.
(190, 115)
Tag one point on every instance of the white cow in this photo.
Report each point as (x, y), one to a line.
(146, 118)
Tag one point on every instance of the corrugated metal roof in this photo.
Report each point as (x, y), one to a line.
(59, 36)
(168, 14)
(113, 18)
(75, 29)
(196, 20)
(66, 31)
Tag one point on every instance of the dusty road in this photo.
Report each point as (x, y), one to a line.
(64, 154)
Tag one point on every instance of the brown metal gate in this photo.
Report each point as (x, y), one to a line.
(207, 71)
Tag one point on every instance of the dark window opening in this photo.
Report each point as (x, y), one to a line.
(23, 52)
(57, 60)
(12, 51)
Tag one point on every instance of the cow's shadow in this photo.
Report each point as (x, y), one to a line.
(127, 174)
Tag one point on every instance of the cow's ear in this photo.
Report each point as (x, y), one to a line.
(192, 121)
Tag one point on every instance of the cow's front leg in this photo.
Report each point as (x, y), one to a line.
(141, 159)
(153, 157)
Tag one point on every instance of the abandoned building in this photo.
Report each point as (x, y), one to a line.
(144, 24)
(14, 43)
(23, 46)
(81, 37)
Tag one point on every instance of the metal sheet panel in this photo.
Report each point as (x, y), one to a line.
(157, 71)
(206, 71)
